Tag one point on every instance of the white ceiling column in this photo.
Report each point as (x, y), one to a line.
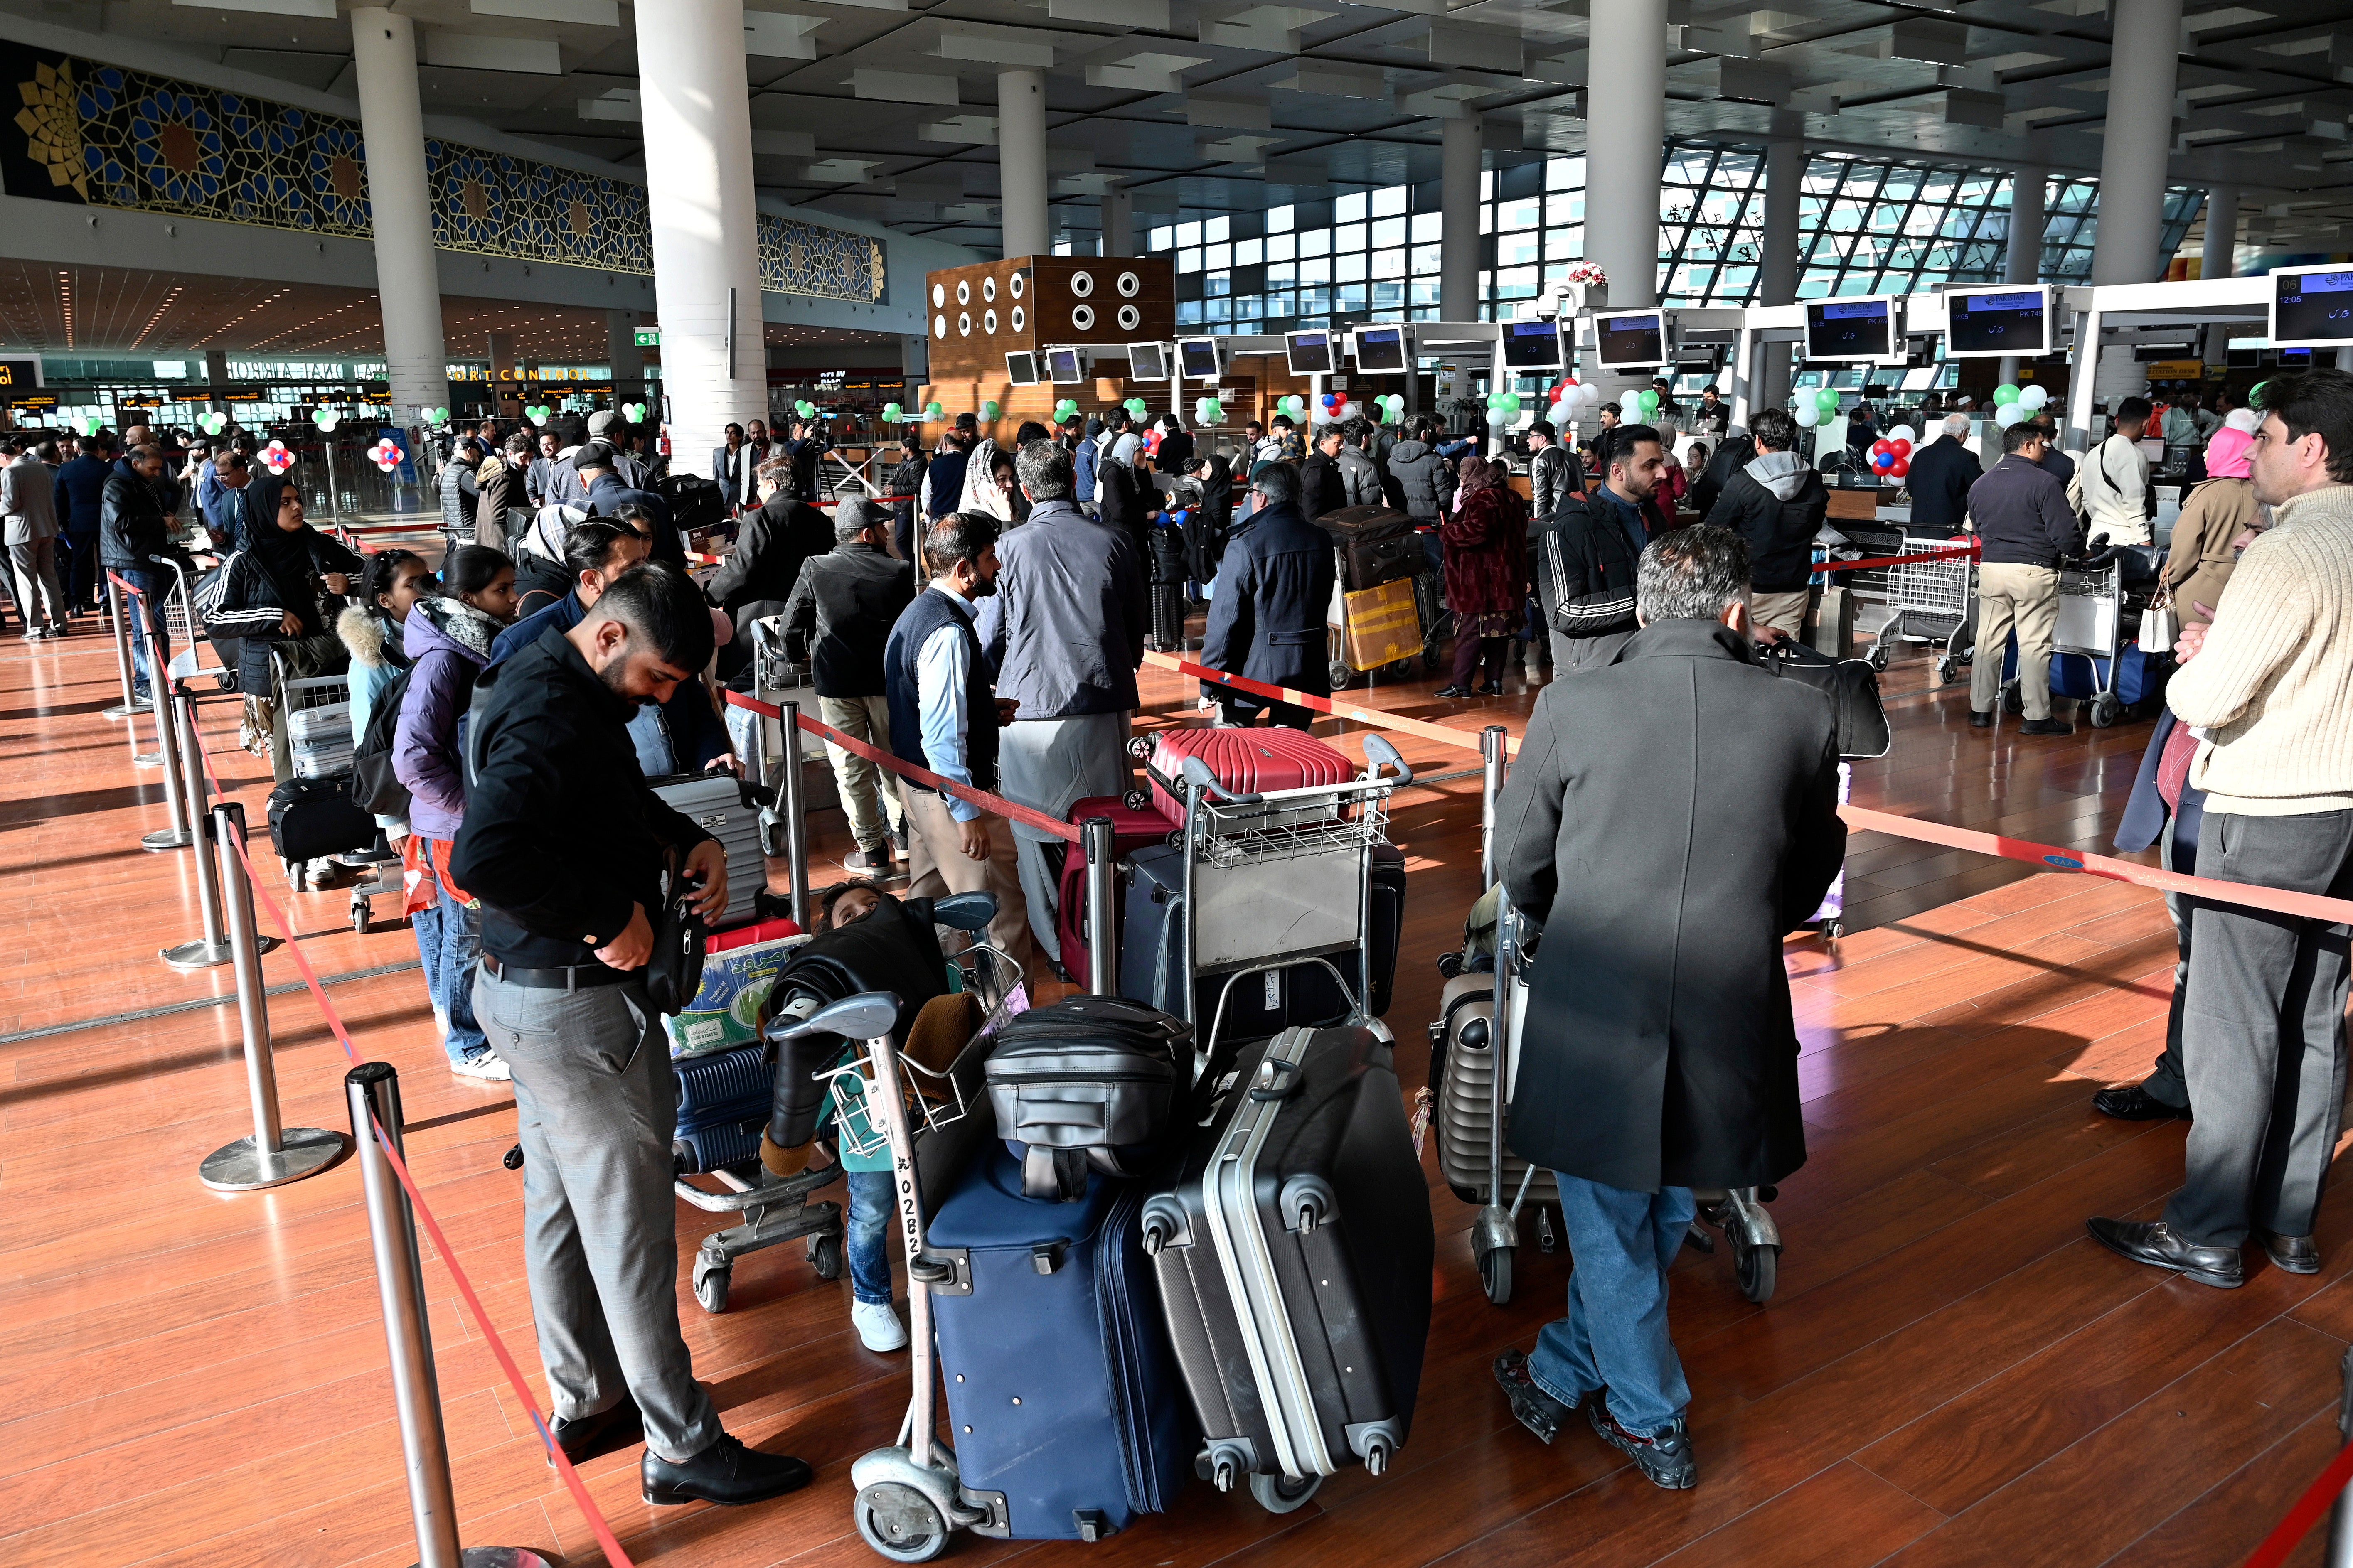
(408, 280)
(1627, 102)
(1021, 160)
(1457, 227)
(2144, 65)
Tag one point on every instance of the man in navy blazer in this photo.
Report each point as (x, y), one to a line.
(1940, 477)
(2147, 820)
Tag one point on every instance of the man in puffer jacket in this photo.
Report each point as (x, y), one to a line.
(1360, 477)
(1777, 503)
(1413, 463)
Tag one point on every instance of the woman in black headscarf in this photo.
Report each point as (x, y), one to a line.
(1205, 530)
(281, 592)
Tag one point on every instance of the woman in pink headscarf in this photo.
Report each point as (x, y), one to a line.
(2205, 546)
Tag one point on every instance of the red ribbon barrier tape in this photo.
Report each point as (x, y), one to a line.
(2050, 856)
(904, 769)
(2316, 1500)
(474, 1309)
(1962, 551)
(1379, 718)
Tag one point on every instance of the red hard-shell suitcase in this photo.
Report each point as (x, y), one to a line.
(1131, 830)
(1248, 760)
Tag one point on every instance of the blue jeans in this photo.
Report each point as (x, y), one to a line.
(425, 923)
(156, 590)
(866, 1237)
(461, 945)
(1615, 1335)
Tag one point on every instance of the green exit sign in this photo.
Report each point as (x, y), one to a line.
(649, 337)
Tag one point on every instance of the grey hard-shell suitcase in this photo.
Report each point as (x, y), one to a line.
(723, 806)
(1463, 1067)
(1294, 1254)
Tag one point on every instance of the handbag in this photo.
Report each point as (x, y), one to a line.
(1851, 684)
(2161, 624)
(674, 969)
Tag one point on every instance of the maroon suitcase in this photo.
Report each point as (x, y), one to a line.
(1248, 760)
(1131, 830)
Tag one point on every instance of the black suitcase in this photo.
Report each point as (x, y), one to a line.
(695, 503)
(1373, 561)
(311, 817)
(1293, 1253)
(1257, 1005)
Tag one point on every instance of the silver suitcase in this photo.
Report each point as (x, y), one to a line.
(320, 740)
(719, 804)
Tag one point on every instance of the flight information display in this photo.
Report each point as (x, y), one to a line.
(1062, 367)
(1202, 361)
(1021, 369)
(1310, 352)
(1380, 348)
(1634, 339)
(1531, 345)
(1147, 361)
(2312, 307)
(1997, 322)
(1850, 329)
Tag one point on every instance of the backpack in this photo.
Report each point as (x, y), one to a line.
(374, 784)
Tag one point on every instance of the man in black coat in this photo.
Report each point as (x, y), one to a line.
(1669, 819)
(771, 544)
(1266, 620)
(1940, 477)
(134, 531)
(1585, 553)
(1777, 503)
(608, 494)
(1322, 488)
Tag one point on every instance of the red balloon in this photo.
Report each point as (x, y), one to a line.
(1902, 448)
(1899, 468)
(1880, 448)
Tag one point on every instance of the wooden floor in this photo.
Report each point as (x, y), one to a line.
(1952, 1373)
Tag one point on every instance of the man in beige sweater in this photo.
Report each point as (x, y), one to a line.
(2269, 686)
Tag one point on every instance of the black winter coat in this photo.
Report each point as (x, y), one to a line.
(132, 530)
(1320, 487)
(1939, 480)
(1274, 589)
(1660, 1050)
(1780, 533)
(772, 544)
(1585, 579)
(845, 604)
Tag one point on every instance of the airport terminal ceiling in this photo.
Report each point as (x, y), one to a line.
(885, 110)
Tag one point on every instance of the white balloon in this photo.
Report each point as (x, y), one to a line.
(1319, 415)
(1497, 417)
(1904, 433)
(2007, 415)
(1589, 394)
(1809, 414)
(2033, 396)
(1631, 402)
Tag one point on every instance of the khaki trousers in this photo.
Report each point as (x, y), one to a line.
(937, 866)
(866, 794)
(1782, 612)
(2025, 598)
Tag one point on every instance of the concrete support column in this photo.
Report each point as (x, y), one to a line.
(216, 377)
(706, 242)
(1119, 223)
(407, 277)
(2021, 256)
(1458, 224)
(1021, 161)
(505, 374)
(628, 360)
(1628, 96)
(2219, 260)
(2142, 68)
(1777, 266)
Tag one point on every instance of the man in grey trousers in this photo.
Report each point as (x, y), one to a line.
(28, 521)
(565, 847)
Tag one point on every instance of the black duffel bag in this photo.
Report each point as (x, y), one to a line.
(313, 818)
(1851, 684)
(1086, 1081)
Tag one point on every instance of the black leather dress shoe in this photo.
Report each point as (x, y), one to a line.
(2296, 1254)
(2134, 1103)
(585, 1437)
(2046, 727)
(1981, 720)
(2155, 1244)
(726, 1472)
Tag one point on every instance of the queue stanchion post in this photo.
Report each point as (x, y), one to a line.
(373, 1089)
(2340, 1514)
(181, 799)
(114, 625)
(795, 808)
(275, 1154)
(1492, 754)
(1102, 949)
(212, 948)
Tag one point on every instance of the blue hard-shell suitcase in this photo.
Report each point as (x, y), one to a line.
(2139, 677)
(1070, 1416)
(722, 1103)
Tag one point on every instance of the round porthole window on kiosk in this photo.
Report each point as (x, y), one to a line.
(1082, 317)
(939, 326)
(939, 295)
(1021, 319)
(964, 323)
(1083, 284)
(1130, 318)
(988, 323)
(989, 290)
(964, 292)
(1130, 285)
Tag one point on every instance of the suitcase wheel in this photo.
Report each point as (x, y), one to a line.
(2106, 710)
(1495, 1276)
(360, 913)
(901, 1522)
(1758, 1269)
(1284, 1494)
(825, 1256)
(1137, 800)
(1140, 748)
(710, 1286)
(1341, 675)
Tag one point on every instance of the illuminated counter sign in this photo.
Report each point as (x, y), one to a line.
(19, 372)
(1860, 329)
(2312, 307)
(1629, 340)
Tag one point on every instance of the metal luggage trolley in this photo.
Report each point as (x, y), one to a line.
(2097, 617)
(318, 694)
(1933, 601)
(1277, 878)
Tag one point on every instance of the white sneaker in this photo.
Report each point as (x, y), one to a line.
(878, 1326)
(484, 1064)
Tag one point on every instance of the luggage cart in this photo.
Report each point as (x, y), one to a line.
(1277, 878)
(299, 694)
(2099, 617)
(1931, 602)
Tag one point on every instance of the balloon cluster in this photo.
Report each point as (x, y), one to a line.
(988, 411)
(1573, 397)
(538, 412)
(91, 424)
(1503, 407)
(891, 413)
(805, 408)
(386, 453)
(934, 410)
(437, 418)
(2012, 404)
(1819, 408)
(1208, 411)
(1892, 455)
(1065, 409)
(635, 412)
(213, 422)
(1136, 407)
(1639, 404)
(1293, 406)
(1391, 407)
(326, 420)
(277, 456)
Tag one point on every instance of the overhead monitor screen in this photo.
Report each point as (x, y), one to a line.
(2312, 307)
(1147, 361)
(1997, 322)
(1311, 352)
(1062, 367)
(1202, 360)
(1636, 340)
(1021, 369)
(1850, 329)
(1531, 345)
(1380, 348)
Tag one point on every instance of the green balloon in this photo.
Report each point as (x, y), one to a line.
(2004, 393)
(1217, 412)
(890, 413)
(934, 409)
(1650, 401)
(2255, 394)
(1827, 399)
(988, 409)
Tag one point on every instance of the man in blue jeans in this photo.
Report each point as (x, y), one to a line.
(1672, 816)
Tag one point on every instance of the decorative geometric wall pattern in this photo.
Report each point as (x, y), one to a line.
(102, 135)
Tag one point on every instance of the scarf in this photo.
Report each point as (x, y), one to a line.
(469, 627)
(1476, 473)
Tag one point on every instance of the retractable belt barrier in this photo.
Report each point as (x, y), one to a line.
(1970, 550)
(1067, 831)
(1379, 718)
(465, 1292)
